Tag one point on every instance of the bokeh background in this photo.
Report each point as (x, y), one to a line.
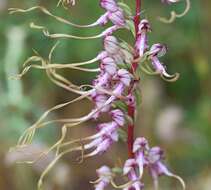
(175, 116)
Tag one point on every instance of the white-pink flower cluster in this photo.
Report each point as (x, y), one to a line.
(114, 14)
(113, 93)
(110, 85)
(154, 53)
(145, 158)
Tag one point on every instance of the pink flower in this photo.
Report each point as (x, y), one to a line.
(102, 143)
(124, 76)
(111, 44)
(105, 175)
(118, 116)
(141, 43)
(100, 100)
(109, 5)
(156, 51)
(139, 148)
(114, 49)
(109, 127)
(108, 65)
(102, 20)
(117, 18)
(151, 158)
(129, 169)
(110, 30)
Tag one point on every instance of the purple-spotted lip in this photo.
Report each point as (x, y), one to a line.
(144, 25)
(158, 50)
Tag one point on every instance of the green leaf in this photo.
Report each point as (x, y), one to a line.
(122, 135)
(125, 8)
(117, 170)
(131, 27)
(121, 105)
(138, 98)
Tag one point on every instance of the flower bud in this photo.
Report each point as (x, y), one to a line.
(140, 144)
(131, 100)
(155, 154)
(104, 172)
(124, 76)
(102, 55)
(118, 116)
(108, 65)
(109, 5)
(107, 140)
(100, 100)
(111, 44)
(130, 169)
(144, 26)
(117, 18)
(129, 166)
(107, 128)
(102, 20)
(105, 175)
(158, 50)
(110, 30)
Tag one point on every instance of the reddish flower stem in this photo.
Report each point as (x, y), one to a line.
(137, 16)
(131, 108)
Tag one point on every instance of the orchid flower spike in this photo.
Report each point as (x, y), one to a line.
(114, 93)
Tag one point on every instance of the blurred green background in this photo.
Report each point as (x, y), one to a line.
(175, 116)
